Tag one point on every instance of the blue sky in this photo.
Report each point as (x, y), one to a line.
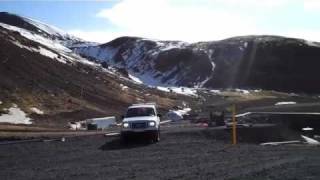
(63, 14)
(187, 20)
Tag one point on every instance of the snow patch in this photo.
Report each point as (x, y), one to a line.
(166, 89)
(244, 46)
(307, 129)
(135, 79)
(243, 91)
(45, 27)
(215, 91)
(201, 84)
(102, 54)
(147, 78)
(243, 114)
(50, 54)
(36, 110)
(42, 51)
(285, 103)
(310, 140)
(311, 43)
(15, 116)
(123, 87)
(185, 91)
(179, 90)
(209, 77)
(47, 53)
(22, 46)
(171, 45)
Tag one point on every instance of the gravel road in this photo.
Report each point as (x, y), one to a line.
(182, 153)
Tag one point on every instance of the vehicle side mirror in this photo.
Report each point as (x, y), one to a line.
(159, 115)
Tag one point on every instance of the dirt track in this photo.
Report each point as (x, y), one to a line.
(183, 153)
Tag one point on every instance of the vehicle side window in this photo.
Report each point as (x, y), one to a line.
(150, 112)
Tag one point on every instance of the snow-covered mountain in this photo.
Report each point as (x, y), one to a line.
(268, 62)
(155, 62)
(264, 62)
(44, 83)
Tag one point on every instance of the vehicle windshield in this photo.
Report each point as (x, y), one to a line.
(140, 111)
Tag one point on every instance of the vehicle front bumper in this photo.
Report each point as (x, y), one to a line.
(139, 130)
(139, 134)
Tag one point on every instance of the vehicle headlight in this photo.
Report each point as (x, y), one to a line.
(152, 123)
(125, 125)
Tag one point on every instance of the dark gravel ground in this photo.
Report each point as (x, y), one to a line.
(182, 153)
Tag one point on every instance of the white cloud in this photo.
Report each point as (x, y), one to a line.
(311, 5)
(199, 20)
(96, 36)
(308, 34)
(253, 3)
(164, 20)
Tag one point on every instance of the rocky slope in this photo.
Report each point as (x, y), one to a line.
(267, 62)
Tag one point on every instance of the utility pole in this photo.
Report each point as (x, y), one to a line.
(234, 125)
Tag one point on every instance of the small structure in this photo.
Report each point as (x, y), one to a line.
(174, 115)
(179, 114)
(94, 123)
(101, 123)
(80, 125)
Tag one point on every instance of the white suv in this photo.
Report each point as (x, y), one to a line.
(141, 119)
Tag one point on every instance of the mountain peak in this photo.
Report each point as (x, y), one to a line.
(18, 21)
(34, 26)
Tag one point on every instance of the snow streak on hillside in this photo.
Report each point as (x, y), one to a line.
(50, 48)
(56, 45)
(155, 63)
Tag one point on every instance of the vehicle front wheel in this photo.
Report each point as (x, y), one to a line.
(156, 136)
(124, 138)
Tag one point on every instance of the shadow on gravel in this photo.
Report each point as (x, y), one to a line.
(117, 144)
